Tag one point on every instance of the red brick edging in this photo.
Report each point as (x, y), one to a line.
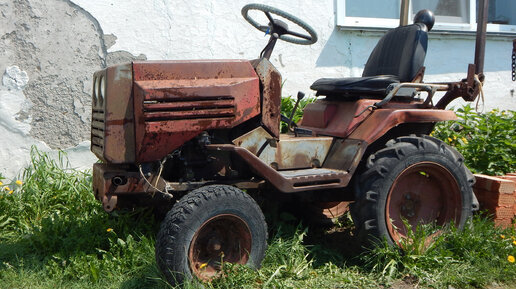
(497, 196)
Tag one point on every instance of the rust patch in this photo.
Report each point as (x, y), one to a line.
(335, 118)
(345, 154)
(108, 193)
(270, 79)
(112, 131)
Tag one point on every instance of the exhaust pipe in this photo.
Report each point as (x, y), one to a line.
(480, 45)
(119, 180)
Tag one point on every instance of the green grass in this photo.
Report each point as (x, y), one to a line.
(54, 234)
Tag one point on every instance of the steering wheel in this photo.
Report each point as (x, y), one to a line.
(283, 32)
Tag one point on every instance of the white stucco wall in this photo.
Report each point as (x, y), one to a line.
(216, 29)
(181, 29)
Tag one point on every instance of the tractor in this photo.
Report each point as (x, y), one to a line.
(202, 139)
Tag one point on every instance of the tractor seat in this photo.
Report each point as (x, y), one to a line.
(398, 57)
(354, 86)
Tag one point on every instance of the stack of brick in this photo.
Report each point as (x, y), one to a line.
(497, 196)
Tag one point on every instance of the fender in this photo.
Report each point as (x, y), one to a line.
(381, 121)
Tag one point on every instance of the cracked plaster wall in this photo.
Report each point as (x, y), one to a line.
(60, 43)
(48, 51)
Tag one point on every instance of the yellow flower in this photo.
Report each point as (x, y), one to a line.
(1, 184)
(511, 259)
(7, 188)
(465, 140)
(19, 183)
(449, 139)
(514, 243)
(109, 230)
(203, 265)
(454, 137)
(10, 192)
(502, 236)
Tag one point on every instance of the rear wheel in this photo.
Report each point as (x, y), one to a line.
(414, 180)
(206, 228)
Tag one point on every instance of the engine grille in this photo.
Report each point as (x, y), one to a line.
(191, 108)
(97, 114)
(97, 129)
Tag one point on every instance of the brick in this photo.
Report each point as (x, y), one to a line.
(504, 213)
(509, 177)
(504, 223)
(512, 177)
(494, 184)
(498, 212)
(494, 198)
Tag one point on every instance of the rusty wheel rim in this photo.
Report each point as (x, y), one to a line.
(424, 193)
(221, 239)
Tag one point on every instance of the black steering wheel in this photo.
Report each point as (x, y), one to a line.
(279, 27)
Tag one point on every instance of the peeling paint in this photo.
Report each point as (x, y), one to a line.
(49, 51)
(14, 78)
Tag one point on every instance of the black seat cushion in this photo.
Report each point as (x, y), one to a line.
(397, 57)
(351, 87)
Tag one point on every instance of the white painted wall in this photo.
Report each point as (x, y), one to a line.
(181, 29)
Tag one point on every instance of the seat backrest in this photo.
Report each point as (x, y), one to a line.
(400, 52)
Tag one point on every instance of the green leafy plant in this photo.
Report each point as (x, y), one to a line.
(287, 105)
(486, 140)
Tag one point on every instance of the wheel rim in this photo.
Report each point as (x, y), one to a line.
(223, 238)
(424, 193)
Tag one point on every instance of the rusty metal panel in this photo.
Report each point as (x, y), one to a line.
(335, 118)
(289, 152)
(176, 100)
(345, 154)
(300, 152)
(318, 114)
(290, 181)
(108, 193)
(270, 79)
(382, 120)
(112, 126)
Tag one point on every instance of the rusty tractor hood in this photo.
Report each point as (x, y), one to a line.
(142, 111)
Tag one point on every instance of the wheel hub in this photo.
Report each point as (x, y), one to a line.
(410, 205)
(223, 238)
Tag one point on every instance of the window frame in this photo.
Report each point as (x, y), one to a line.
(372, 23)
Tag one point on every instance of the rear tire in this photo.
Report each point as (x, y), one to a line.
(209, 226)
(418, 179)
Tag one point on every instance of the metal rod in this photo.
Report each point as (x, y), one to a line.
(480, 46)
(404, 12)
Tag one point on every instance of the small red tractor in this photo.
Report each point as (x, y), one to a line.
(203, 137)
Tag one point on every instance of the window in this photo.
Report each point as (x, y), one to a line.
(369, 13)
(502, 16)
(451, 15)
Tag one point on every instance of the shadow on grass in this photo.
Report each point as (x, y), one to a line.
(93, 248)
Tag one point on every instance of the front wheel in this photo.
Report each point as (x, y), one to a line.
(208, 227)
(415, 180)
